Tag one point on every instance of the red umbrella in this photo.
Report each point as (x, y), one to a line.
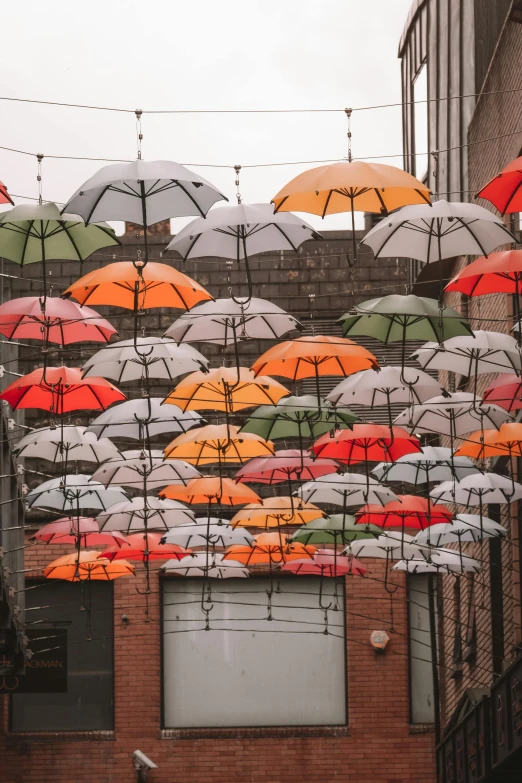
(408, 511)
(326, 563)
(506, 391)
(52, 320)
(69, 529)
(366, 443)
(505, 190)
(61, 390)
(499, 273)
(146, 546)
(285, 465)
(5, 198)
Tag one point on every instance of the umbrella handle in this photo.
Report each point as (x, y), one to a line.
(386, 585)
(321, 605)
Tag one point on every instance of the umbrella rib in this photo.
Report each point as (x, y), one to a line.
(185, 191)
(511, 197)
(96, 202)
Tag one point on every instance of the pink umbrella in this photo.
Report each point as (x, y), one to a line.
(5, 198)
(82, 531)
(54, 320)
(326, 563)
(285, 465)
(506, 391)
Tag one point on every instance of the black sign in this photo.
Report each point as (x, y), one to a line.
(46, 670)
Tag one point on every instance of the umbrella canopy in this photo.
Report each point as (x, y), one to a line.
(144, 418)
(82, 530)
(38, 232)
(74, 493)
(60, 390)
(366, 443)
(218, 443)
(285, 465)
(322, 565)
(498, 273)
(225, 321)
(453, 415)
(505, 190)
(389, 546)
(396, 318)
(216, 490)
(144, 513)
(441, 562)
(505, 391)
(335, 529)
(389, 385)
(228, 389)
(269, 549)
(441, 230)
(430, 465)
(484, 443)
(87, 566)
(297, 417)
(144, 357)
(5, 198)
(137, 288)
(211, 565)
(52, 320)
(462, 529)
(142, 469)
(209, 532)
(65, 444)
(485, 352)
(478, 490)
(406, 512)
(348, 489)
(276, 512)
(145, 547)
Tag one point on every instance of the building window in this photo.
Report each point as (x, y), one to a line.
(420, 123)
(421, 678)
(249, 671)
(88, 703)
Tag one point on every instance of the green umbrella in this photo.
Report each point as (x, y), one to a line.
(336, 529)
(298, 417)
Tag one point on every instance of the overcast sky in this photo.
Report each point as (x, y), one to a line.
(167, 54)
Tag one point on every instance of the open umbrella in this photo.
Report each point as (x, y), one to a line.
(208, 533)
(505, 391)
(64, 444)
(5, 198)
(144, 513)
(83, 531)
(441, 562)
(498, 273)
(504, 191)
(478, 490)
(366, 443)
(340, 565)
(334, 529)
(462, 529)
(276, 512)
(388, 546)
(144, 547)
(87, 566)
(485, 352)
(217, 443)
(348, 489)
(453, 415)
(144, 469)
(406, 512)
(52, 320)
(428, 466)
(269, 549)
(212, 490)
(73, 493)
(213, 566)
(484, 443)
(142, 419)
(285, 465)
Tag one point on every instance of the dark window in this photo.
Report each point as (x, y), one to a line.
(496, 597)
(88, 703)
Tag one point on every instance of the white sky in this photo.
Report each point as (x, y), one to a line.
(235, 54)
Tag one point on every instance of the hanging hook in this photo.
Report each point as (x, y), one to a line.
(237, 169)
(39, 158)
(139, 134)
(348, 113)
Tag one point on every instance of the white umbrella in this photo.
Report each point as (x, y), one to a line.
(65, 444)
(143, 418)
(442, 561)
(73, 493)
(486, 352)
(145, 469)
(464, 528)
(346, 489)
(225, 321)
(430, 465)
(452, 415)
(389, 385)
(145, 357)
(390, 546)
(431, 232)
(212, 532)
(206, 564)
(144, 513)
(478, 490)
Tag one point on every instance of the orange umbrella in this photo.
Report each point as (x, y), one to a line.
(492, 443)
(221, 443)
(269, 549)
(352, 185)
(307, 357)
(211, 489)
(227, 389)
(273, 512)
(87, 566)
(138, 288)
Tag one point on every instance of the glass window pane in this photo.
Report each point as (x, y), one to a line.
(421, 679)
(420, 122)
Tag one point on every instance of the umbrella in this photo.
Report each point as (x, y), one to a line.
(269, 549)
(144, 357)
(486, 352)
(137, 287)
(285, 465)
(429, 465)
(144, 513)
(217, 443)
(5, 198)
(498, 273)
(52, 320)
(445, 561)
(297, 417)
(350, 186)
(453, 415)
(60, 390)
(212, 490)
(335, 529)
(407, 511)
(228, 389)
(389, 546)
(340, 565)
(505, 391)
(142, 419)
(213, 566)
(484, 443)
(348, 489)
(478, 490)
(144, 547)
(276, 512)
(366, 443)
(208, 533)
(64, 444)
(84, 531)
(504, 191)
(225, 321)
(144, 469)
(239, 232)
(463, 528)
(87, 566)
(72, 493)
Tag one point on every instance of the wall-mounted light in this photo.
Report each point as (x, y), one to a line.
(379, 640)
